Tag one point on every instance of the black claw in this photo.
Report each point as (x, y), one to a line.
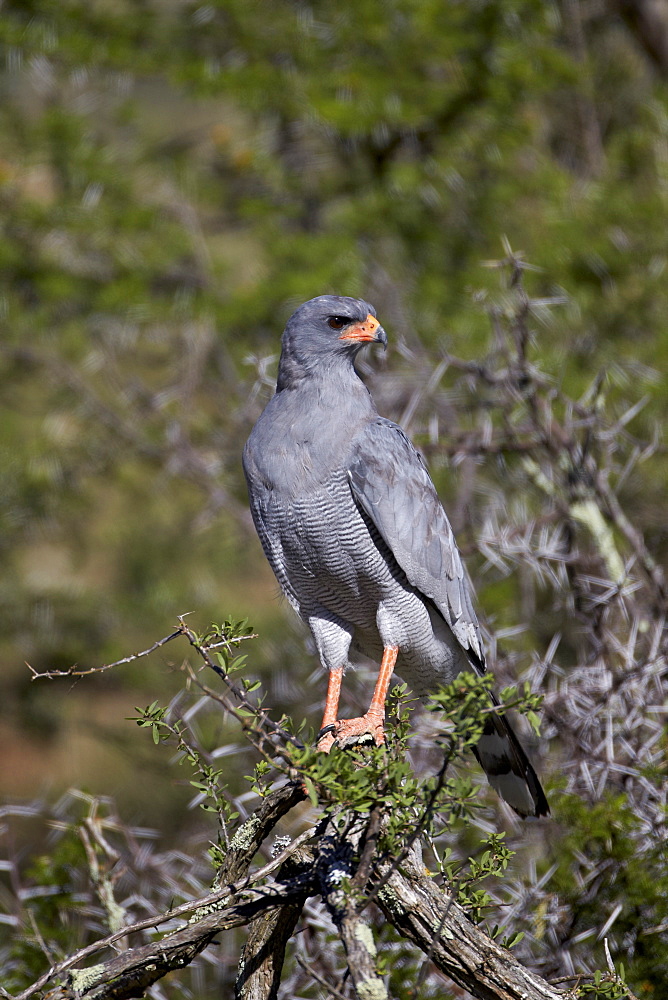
(326, 731)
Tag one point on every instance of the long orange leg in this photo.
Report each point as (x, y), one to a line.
(331, 709)
(349, 730)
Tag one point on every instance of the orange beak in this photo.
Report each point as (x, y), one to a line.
(368, 331)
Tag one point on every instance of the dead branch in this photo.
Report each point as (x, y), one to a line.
(340, 847)
(339, 851)
(262, 957)
(136, 969)
(422, 912)
(227, 884)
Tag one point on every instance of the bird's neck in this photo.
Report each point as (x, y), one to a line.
(297, 370)
(329, 382)
(306, 430)
(314, 409)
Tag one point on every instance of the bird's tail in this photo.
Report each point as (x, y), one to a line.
(508, 770)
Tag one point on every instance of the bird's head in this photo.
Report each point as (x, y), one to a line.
(325, 329)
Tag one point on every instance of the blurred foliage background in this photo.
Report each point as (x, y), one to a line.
(175, 177)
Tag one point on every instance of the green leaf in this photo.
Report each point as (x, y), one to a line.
(311, 791)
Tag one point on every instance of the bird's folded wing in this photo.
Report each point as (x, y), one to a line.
(264, 518)
(390, 482)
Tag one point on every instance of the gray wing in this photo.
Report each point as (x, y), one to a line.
(390, 482)
(265, 512)
(391, 485)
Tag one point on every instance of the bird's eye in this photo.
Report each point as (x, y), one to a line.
(337, 322)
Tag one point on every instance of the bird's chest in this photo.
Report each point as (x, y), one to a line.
(330, 554)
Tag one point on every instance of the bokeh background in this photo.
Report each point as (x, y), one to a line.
(175, 177)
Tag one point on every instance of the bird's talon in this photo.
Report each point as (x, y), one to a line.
(326, 739)
(350, 733)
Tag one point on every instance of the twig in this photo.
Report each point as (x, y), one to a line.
(416, 833)
(370, 845)
(38, 936)
(332, 990)
(102, 880)
(261, 719)
(263, 954)
(75, 671)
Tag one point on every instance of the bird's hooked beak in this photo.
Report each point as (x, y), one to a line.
(368, 332)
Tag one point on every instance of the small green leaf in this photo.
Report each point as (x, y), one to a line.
(312, 793)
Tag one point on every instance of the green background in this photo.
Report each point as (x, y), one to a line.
(174, 179)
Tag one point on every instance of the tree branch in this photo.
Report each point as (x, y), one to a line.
(422, 912)
(340, 844)
(241, 852)
(262, 957)
(133, 971)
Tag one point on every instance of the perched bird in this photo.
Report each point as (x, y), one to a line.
(357, 537)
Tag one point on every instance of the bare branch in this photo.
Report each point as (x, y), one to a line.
(419, 910)
(76, 671)
(339, 844)
(231, 879)
(138, 968)
(261, 962)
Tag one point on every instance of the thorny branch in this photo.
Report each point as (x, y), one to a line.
(76, 671)
(232, 877)
(411, 901)
(255, 722)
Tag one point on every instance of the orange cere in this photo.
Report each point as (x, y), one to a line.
(362, 331)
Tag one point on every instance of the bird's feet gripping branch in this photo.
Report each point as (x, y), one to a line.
(350, 732)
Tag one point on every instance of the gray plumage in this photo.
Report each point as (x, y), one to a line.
(354, 530)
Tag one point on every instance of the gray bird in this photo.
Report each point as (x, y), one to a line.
(353, 529)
